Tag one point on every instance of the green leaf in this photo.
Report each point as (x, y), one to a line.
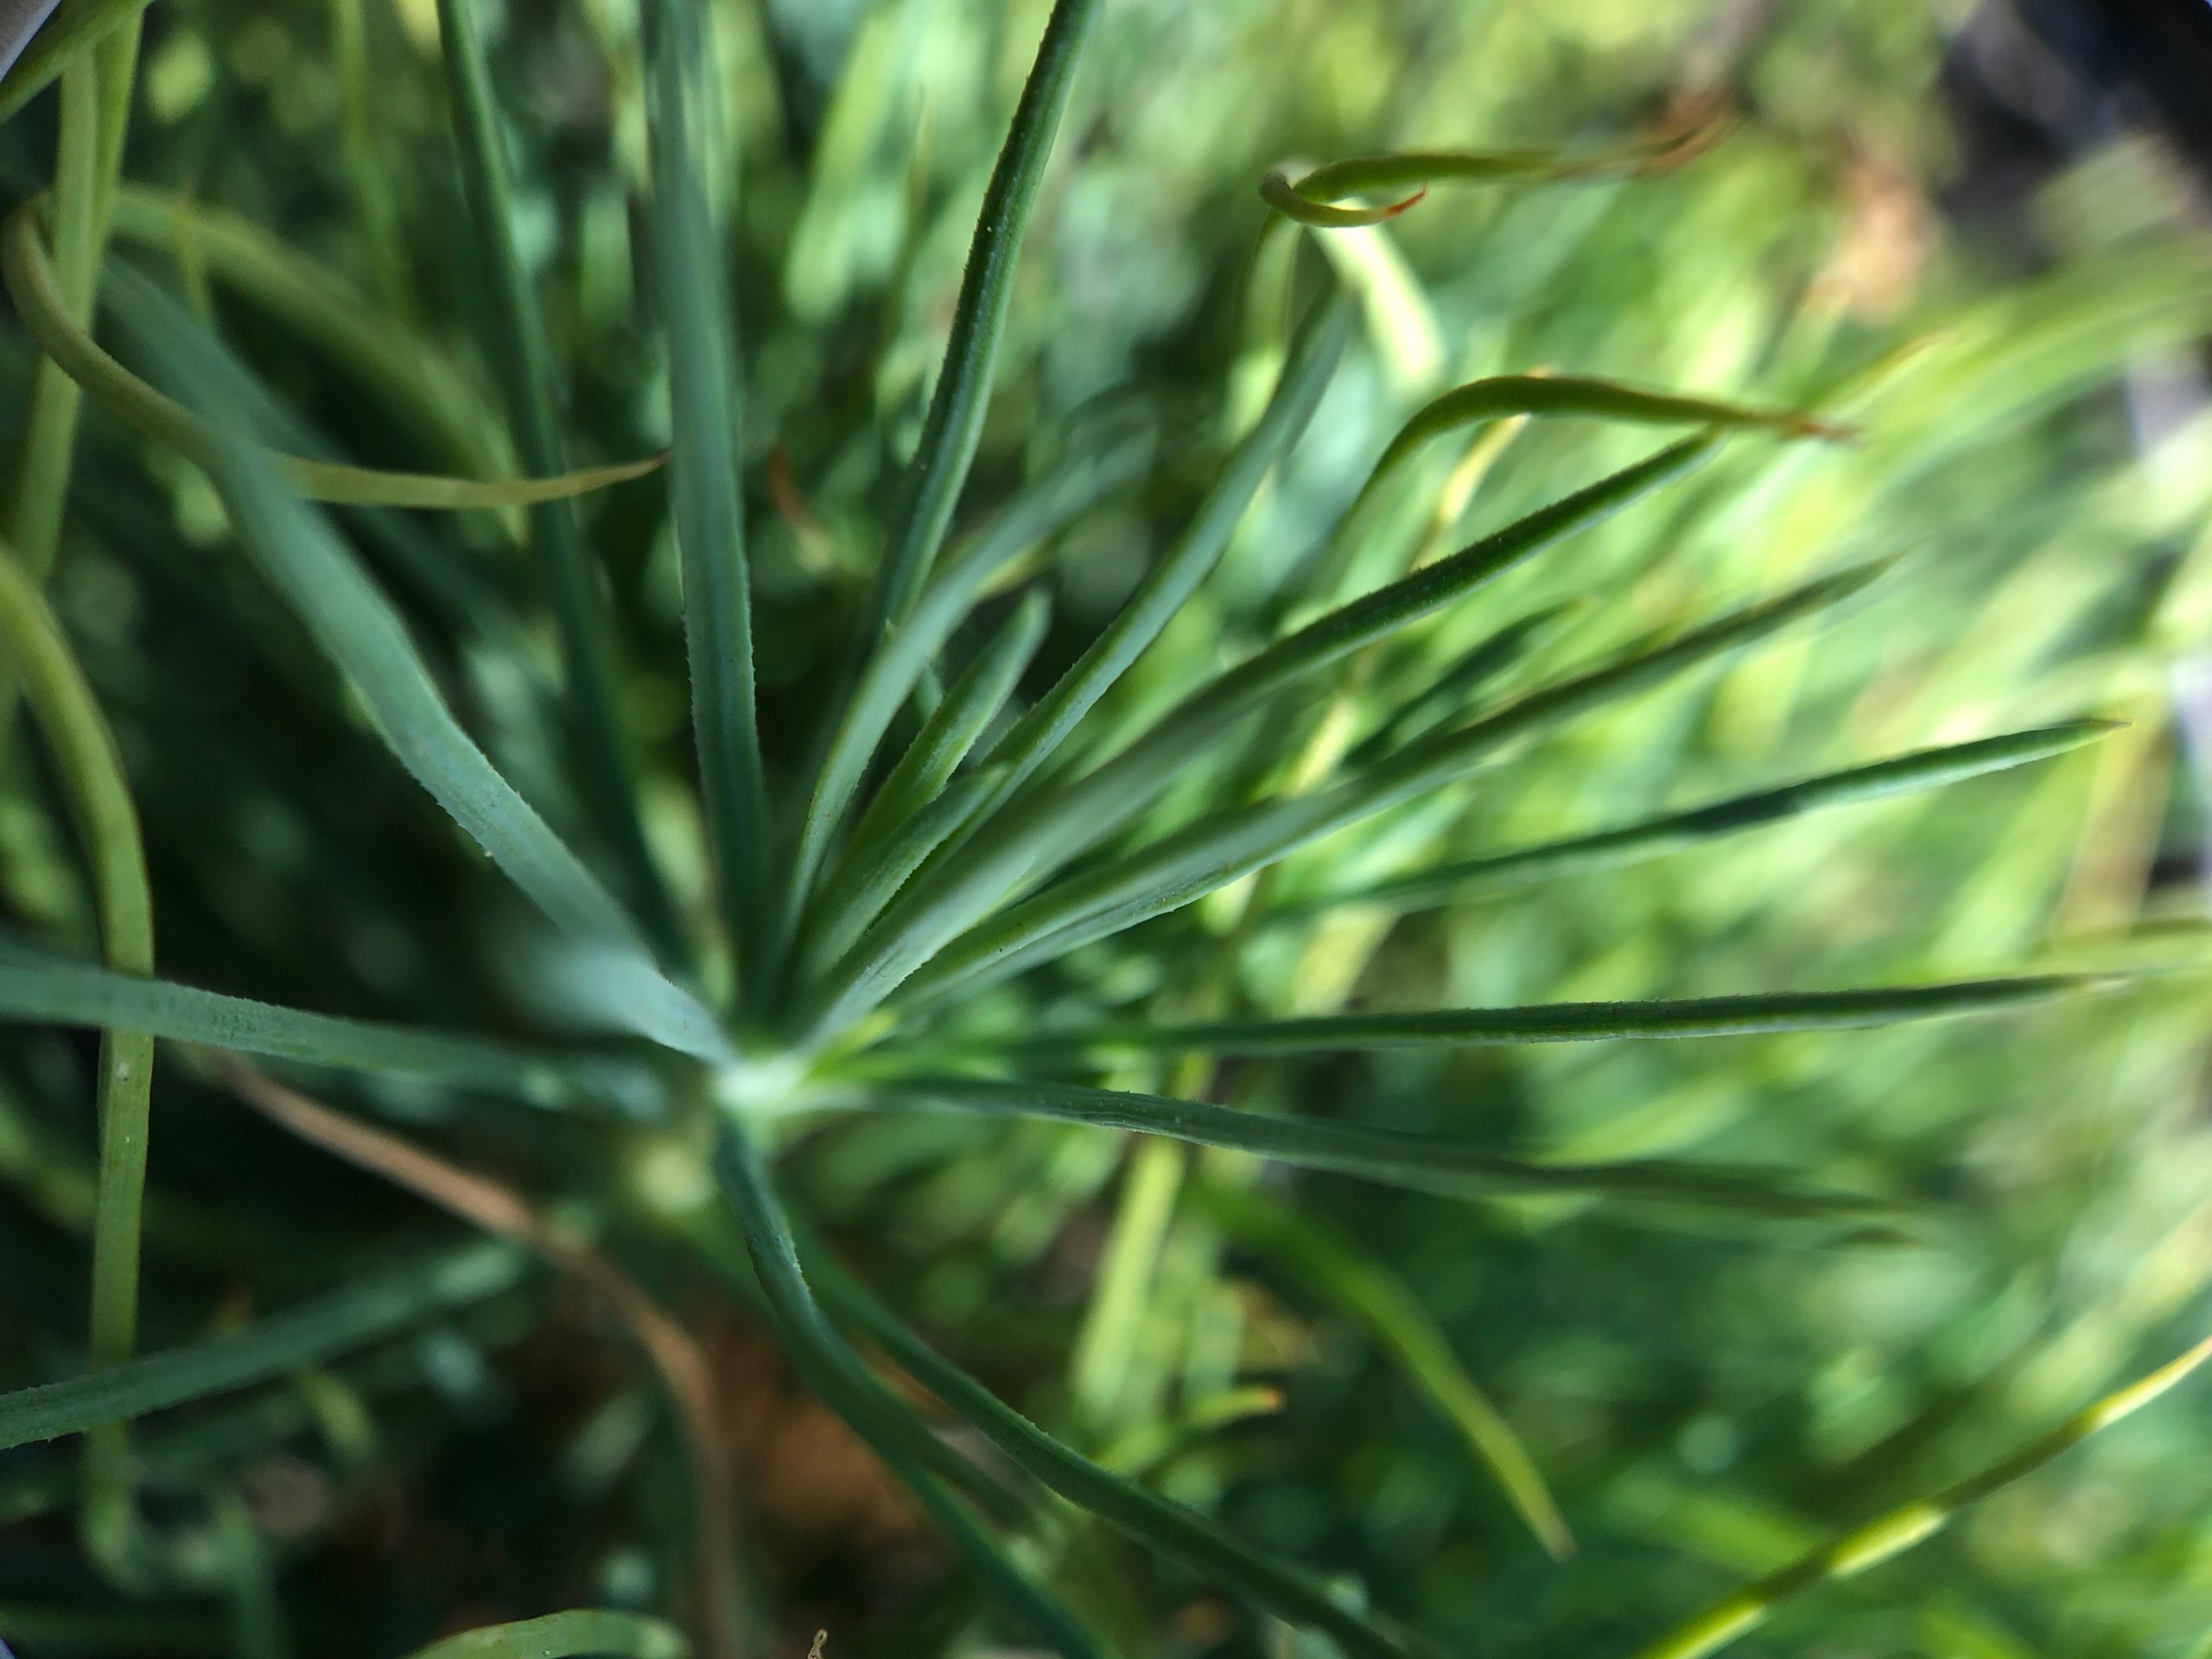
(373, 1305)
(59, 993)
(560, 1636)
(1900, 1529)
(1378, 1301)
(92, 773)
(1761, 1014)
(55, 401)
(893, 840)
(1310, 199)
(954, 425)
(873, 877)
(959, 722)
(704, 391)
(1451, 689)
(592, 674)
(1904, 774)
(951, 893)
(413, 382)
(831, 1367)
(1040, 511)
(1076, 816)
(1180, 1534)
(30, 283)
(1507, 396)
(1395, 1157)
(72, 27)
(1225, 846)
(359, 630)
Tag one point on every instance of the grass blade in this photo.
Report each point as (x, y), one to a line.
(954, 425)
(1310, 198)
(1900, 1529)
(1379, 1302)
(1511, 396)
(100, 798)
(562, 1635)
(590, 671)
(1079, 816)
(1904, 774)
(50, 434)
(59, 993)
(873, 877)
(31, 285)
(1179, 1532)
(949, 895)
(1454, 687)
(1046, 507)
(357, 629)
(1226, 846)
(371, 1307)
(1395, 1157)
(414, 383)
(1168, 586)
(947, 736)
(1761, 1014)
(704, 390)
(70, 28)
(887, 1423)
(892, 831)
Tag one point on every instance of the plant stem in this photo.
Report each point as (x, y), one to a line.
(107, 822)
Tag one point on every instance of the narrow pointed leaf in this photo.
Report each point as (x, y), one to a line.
(1040, 511)
(1229, 845)
(831, 1367)
(957, 724)
(284, 1343)
(1078, 816)
(52, 402)
(1904, 774)
(43, 37)
(413, 382)
(1453, 689)
(1395, 1157)
(90, 771)
(1900, 1529)
(357, 629)
(1180, 1534)
(30, 284)
(1753, 1015)
(873, 877)
(704, 390)
(564, 1636)
(1513, 395)
(954, 425)
(65, 994)
(588, 656)
(951, 893)
(1310, 198)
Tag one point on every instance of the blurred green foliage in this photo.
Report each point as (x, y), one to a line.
(1704, 1398)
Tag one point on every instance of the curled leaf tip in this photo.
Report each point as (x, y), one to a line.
(1398, 207)
(1292, 201)
(1708, 125)
(1812, 426)
(27, 272)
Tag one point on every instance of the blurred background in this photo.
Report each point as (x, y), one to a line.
(1976, 230)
